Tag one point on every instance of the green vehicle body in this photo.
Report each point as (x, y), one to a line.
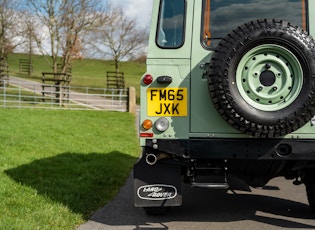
(199, 143)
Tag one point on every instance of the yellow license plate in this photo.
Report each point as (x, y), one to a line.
(167, 101)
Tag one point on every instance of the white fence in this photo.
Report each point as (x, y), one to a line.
(28, 94)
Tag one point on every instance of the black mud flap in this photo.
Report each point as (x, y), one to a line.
(157, 185)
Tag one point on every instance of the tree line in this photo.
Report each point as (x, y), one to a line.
(63, 30)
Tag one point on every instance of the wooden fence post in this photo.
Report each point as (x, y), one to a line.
(131, 100)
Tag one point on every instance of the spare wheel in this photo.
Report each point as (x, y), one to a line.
(261, 78)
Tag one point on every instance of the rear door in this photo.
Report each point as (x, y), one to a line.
(213, 20)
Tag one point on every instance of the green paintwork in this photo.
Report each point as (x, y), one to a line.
(179, 70)
(186, 66)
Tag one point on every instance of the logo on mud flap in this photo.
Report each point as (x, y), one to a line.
(157, 192)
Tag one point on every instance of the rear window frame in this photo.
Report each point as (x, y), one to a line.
(183, 28)
(213, 47)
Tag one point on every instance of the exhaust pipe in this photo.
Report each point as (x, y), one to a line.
(151, 158)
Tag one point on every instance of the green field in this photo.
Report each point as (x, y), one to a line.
(85, 72)
(58, 167)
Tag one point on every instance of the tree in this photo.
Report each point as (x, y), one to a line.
(29, 26)
(66, 21)
(10, 35)
(119, 37)
(9, 32)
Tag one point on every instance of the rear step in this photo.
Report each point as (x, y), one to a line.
(210, 185)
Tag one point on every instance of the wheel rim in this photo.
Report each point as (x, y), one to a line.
(269, 77)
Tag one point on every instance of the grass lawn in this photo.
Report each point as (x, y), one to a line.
(85, 72)
(58, 167)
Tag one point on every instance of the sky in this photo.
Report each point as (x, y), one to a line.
(138, 9)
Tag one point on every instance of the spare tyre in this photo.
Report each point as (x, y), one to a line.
(261, 78)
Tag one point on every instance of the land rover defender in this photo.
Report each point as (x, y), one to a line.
(229, 92)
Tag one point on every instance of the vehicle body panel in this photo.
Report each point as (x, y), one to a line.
(199, 143)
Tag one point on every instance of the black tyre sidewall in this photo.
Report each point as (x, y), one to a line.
(267, 117)
(226, 96)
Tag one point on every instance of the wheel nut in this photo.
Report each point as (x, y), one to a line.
(268, 66)
(260, 88)
(275, 88)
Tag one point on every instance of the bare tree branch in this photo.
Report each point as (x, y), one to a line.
(119, 37)
(9, 31)
(67, 21)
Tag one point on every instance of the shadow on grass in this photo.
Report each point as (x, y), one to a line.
(82, 182)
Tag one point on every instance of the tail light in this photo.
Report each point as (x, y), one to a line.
(147, 124)
(147, 79)
(162, 124)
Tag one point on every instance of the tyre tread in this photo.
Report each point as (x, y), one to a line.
(218, 78)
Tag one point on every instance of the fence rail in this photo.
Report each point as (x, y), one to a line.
(27, 94)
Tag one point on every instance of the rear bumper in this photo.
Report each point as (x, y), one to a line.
(264, 149)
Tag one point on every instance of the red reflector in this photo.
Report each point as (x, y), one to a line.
(147, 79)
(146, 134)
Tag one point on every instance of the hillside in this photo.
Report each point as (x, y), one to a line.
(85, 72)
